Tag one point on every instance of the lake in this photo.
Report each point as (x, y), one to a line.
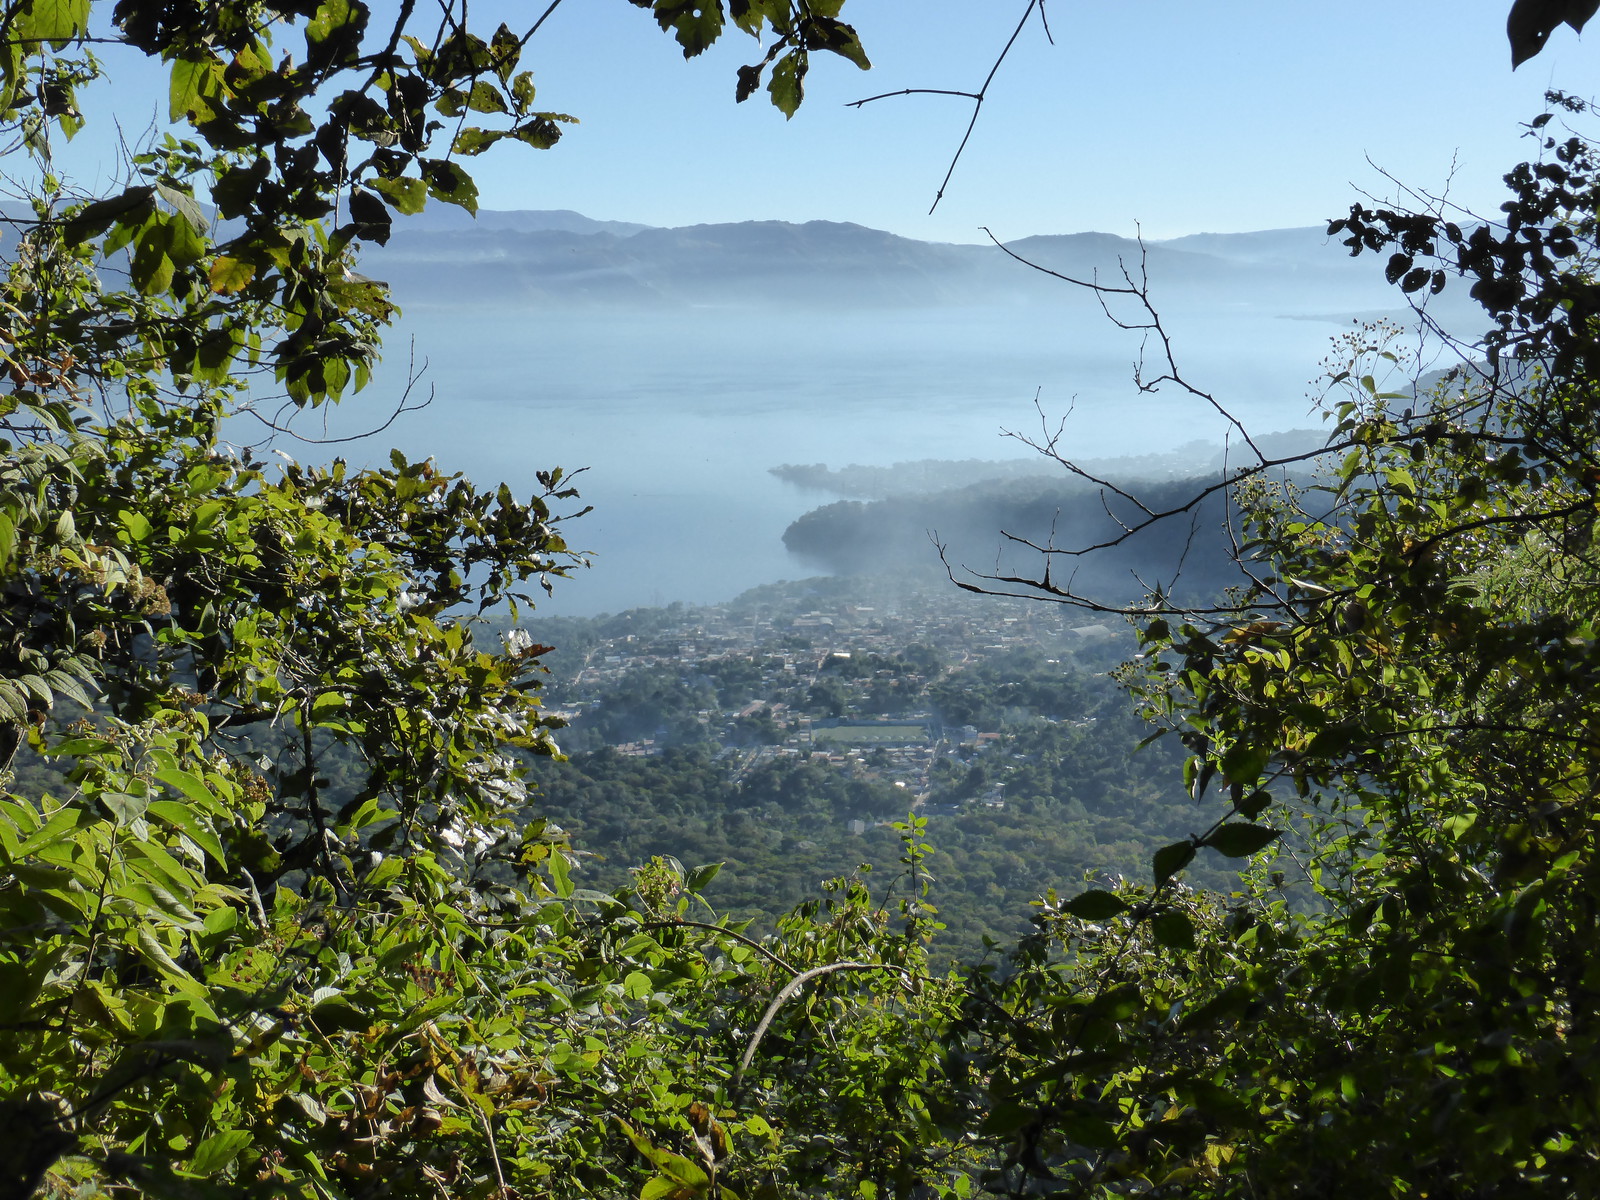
(676, 417)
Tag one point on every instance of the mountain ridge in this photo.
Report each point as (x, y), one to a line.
(559, 258)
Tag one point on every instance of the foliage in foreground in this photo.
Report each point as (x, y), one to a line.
(413, 1035)
(1410, 674)
(216, 976)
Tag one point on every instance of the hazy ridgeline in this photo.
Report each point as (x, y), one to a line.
(860, 482)
(851, 537)
(680, 366)
(918, 508)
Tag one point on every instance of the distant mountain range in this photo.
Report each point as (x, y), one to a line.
(561, 258)
(557, 258)
(447, 218)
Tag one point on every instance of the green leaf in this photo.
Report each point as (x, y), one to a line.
(1255, 803)
(66, 685)
(123, 807)
(675, 1167)
(179, 817)
(660, 1187)
(541, 131)
(1238, 840)
(829, 34)
(334, 31)
(422, 1013)
(184, 205)
(191, 786)
(151, 899)
(405, 952)
(13, 703)
(1096, 905)
(786, 85)
(1174, 930)
(82, 746)
(1169, 860)
(149, 859)
(1243, 763)
(185, 246)
(339, 1015)
(191, 82)
(60, 825)
(695, 23)
(93, 219)
(472, 140)
(561, 873)
(385, 871)
(154, 953)
(448, 182)
(523, 91)
(152, 267)
(53, 20)
(700, 878)
(485, 98)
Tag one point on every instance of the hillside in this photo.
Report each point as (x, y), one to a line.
(853, 537)
(540, 259)
(783, 733)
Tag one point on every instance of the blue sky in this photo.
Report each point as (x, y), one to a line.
(1182, 117)
(1169, 116)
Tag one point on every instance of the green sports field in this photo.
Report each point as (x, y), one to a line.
(870, 735)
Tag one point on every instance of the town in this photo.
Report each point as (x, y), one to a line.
(881, 679)
(789, 734)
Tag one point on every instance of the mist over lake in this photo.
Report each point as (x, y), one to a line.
(676, 400)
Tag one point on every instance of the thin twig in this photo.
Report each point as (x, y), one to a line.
(914, 92)
(494, 1153)
(788, 990)
(385, 61)
(977, 97)
(726, 932)
(544, 16)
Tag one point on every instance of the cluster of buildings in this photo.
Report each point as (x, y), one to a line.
(875, 655)
(793, 630)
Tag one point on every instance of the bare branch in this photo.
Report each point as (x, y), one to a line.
(788, 990)
(543, 17)
(277, 425)
(1093, 285)
(977, 97)
(681, 923)
(913, 92)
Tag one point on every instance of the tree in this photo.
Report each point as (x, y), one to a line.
(1395, 711)
(280, 920)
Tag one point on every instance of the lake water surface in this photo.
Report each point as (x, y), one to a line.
(677, 418)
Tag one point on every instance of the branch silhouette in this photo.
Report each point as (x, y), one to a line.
(978, 97)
